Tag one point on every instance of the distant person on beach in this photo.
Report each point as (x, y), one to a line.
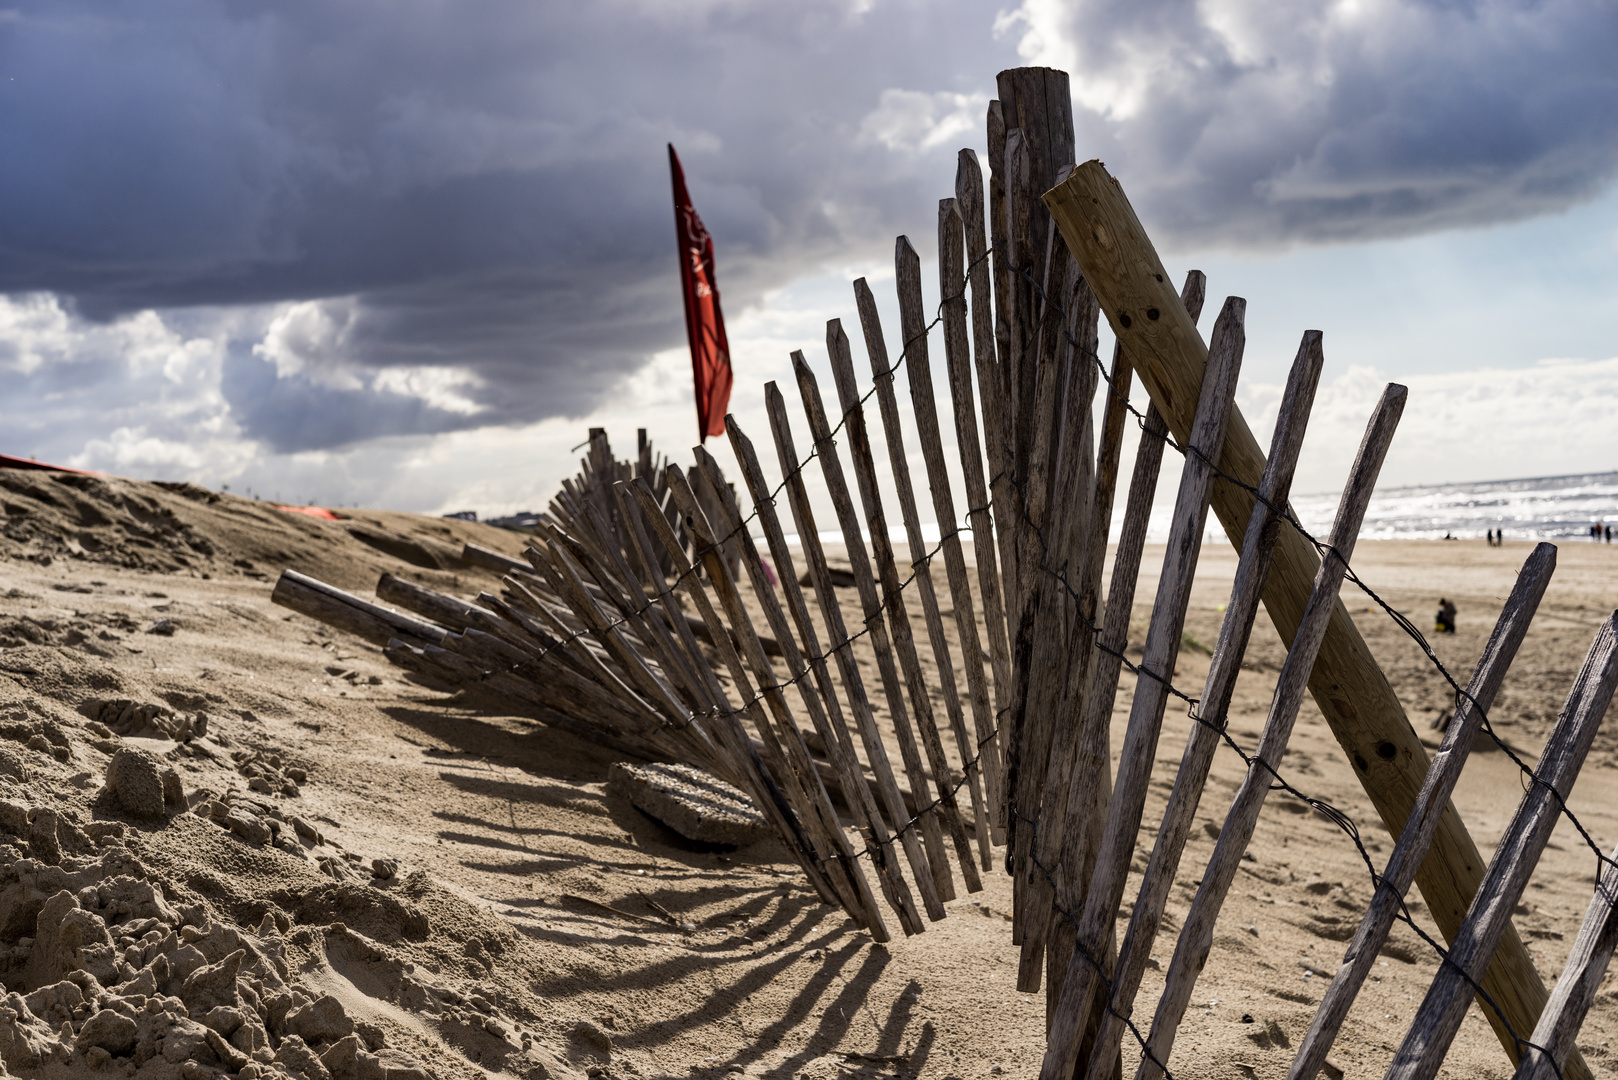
(1445, 619)
(1609, 534)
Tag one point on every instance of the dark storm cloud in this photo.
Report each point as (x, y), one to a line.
(1247, 123)
(488, 180)
(480, 190)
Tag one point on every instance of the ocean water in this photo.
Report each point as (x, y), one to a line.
(1546, 508)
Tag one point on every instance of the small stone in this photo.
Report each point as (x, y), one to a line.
(588, 1032)
(162, 628)
(306, 830)
(214, 985)
(134, 779)
(11, 764)
(320, 1021)
(42, 837)
(298, 776)
(247, 826)
(299, 1059)
(173, 790)
(384, 869)
(112, 1032)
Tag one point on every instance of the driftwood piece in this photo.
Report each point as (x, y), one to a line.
(344, 610)
(1513, 862)
(1234, 632)
(941, 886)
(447, 611)
(915, 351)
(831, 612)
(1417, 834)
(1196, 936)
(1352, 692)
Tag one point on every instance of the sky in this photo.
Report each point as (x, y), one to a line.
(406, 254)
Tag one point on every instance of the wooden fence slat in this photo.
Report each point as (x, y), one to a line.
(1234, 633)
(919, 376)
(913, 333)
(997, 593)
(895, 642)
(1349, 687)
(1071, 849)
(1575, 991)
(794, 770)
(952, 278)
(955, 239)
(825, 710)
(1063, 626)
(1159, 655)
(1417, 835)
(1441, 1011)
(831, 613)
(1196, 936)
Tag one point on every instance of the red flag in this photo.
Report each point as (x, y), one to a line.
(704, 322)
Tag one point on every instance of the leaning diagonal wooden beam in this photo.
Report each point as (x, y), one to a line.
(1352, 692)
(1575, 991)
(831, 614)
(1418, 832)
(1513, 862)
(859, 561)
(1196, 936)
(1159, 654)
(1213, 704)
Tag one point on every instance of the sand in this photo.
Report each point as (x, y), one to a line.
(362, 868)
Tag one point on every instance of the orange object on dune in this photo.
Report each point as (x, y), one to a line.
(312, 511)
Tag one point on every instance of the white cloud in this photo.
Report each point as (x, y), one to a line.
(911, 121)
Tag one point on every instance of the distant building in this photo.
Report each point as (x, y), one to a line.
(522, 521)
(464, 515)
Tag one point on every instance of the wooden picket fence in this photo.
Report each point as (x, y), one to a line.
(634, 620)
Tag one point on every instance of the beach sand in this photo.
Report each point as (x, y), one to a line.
(486, 952)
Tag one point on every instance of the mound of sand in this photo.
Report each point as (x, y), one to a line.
(305, 865)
